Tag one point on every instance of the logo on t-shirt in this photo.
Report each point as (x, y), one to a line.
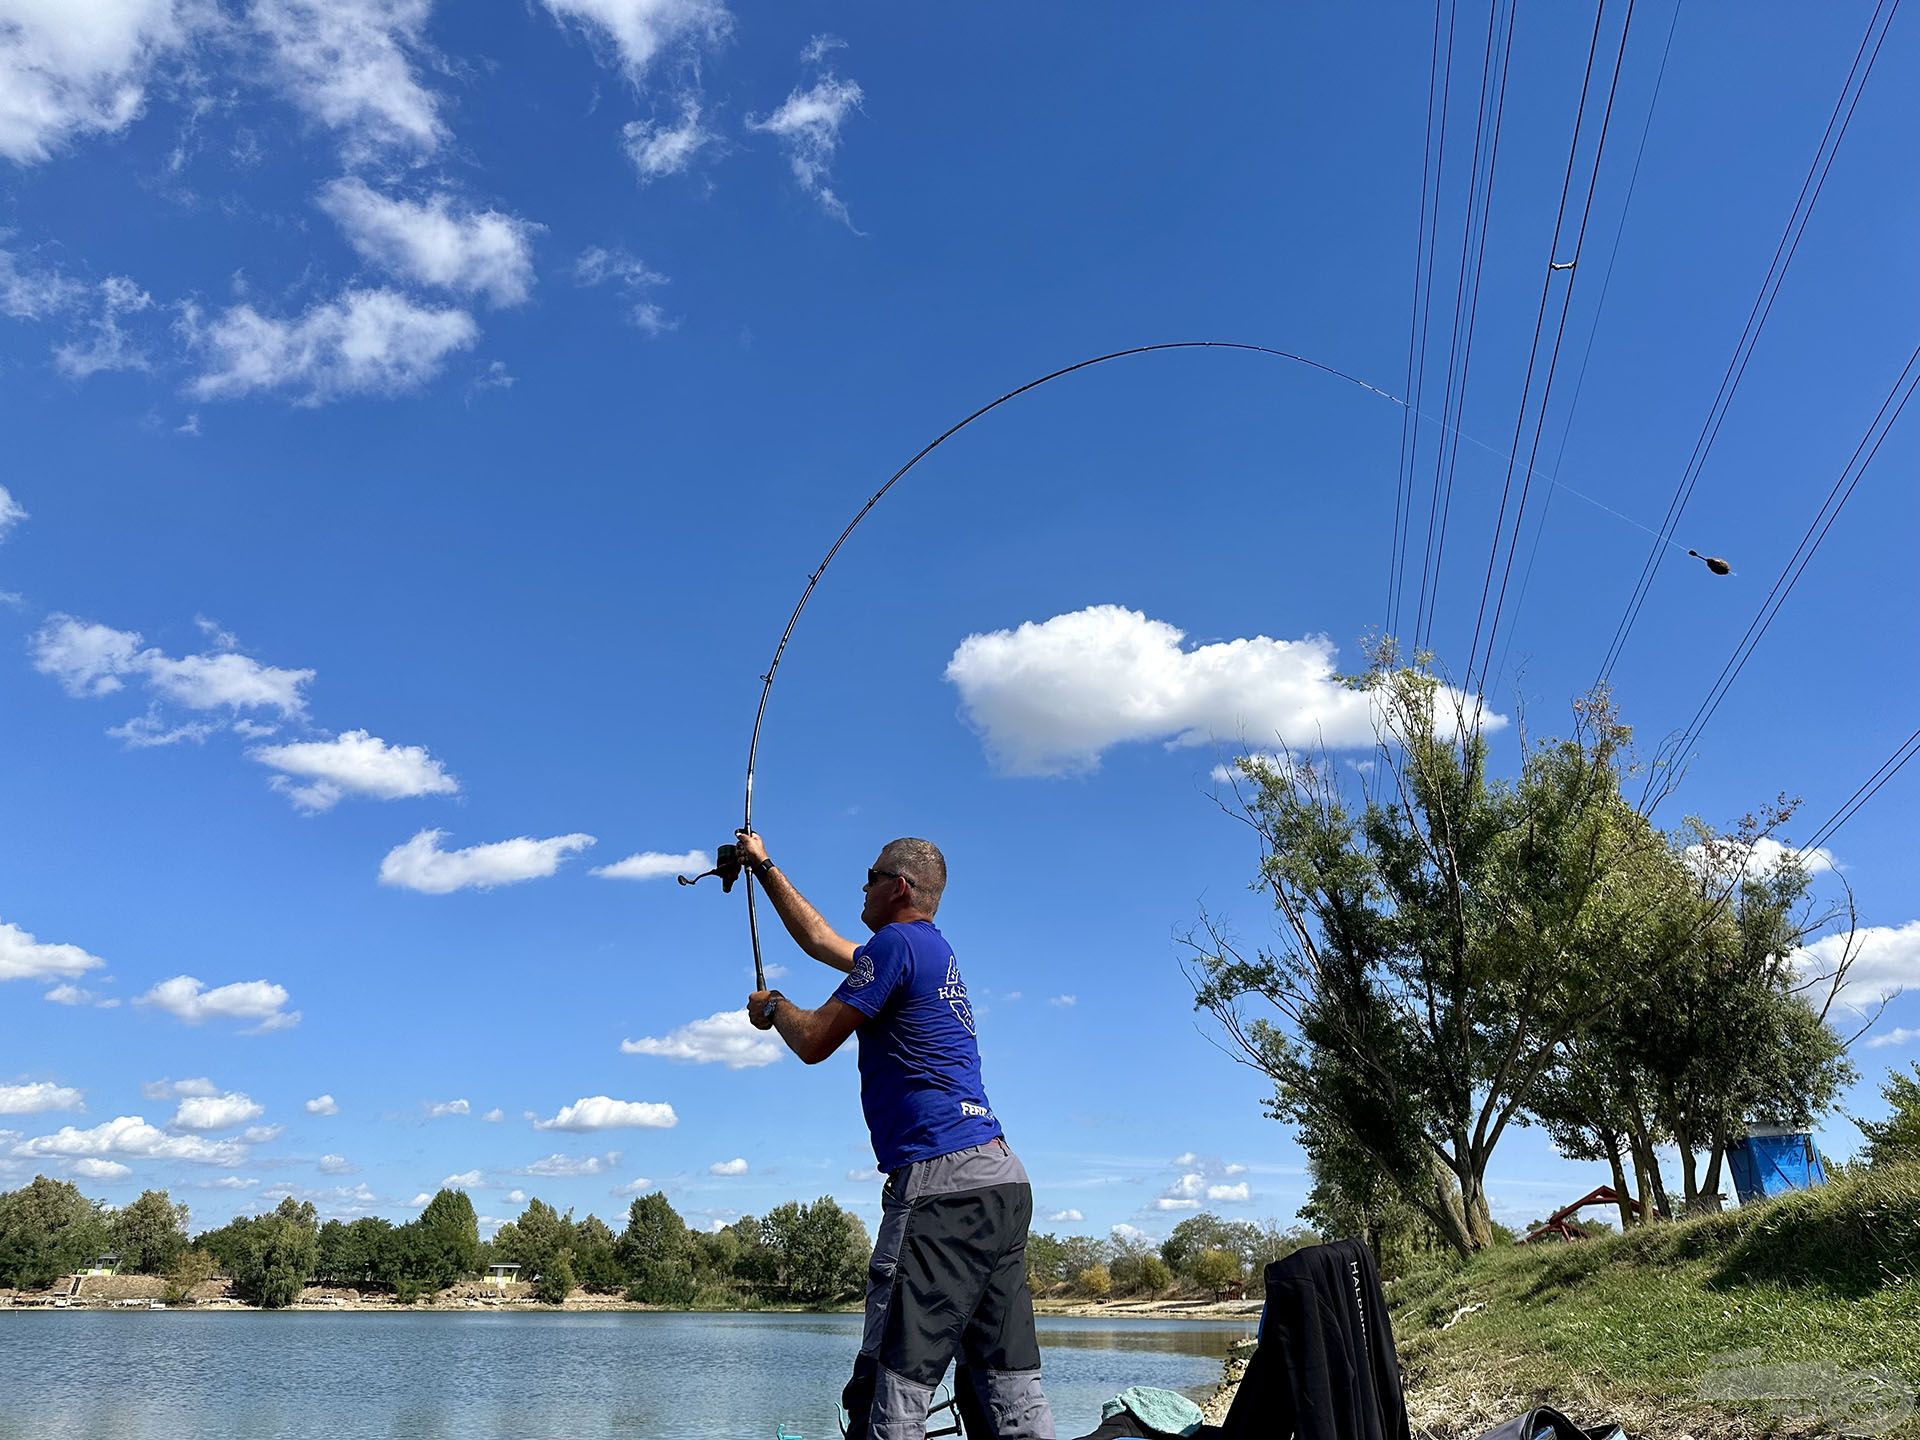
(862, 972)
(954, 992)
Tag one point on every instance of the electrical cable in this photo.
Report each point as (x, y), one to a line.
(1890, 767)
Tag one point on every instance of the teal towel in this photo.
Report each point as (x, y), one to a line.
(1165, 1412)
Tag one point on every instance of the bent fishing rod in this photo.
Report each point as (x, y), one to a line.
(728, 867)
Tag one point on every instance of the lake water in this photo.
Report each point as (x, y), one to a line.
(183, 1375)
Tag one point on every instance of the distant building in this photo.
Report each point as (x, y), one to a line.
(108, 1264)
(502, 1274)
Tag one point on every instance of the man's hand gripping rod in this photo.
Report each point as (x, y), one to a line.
(727, 866)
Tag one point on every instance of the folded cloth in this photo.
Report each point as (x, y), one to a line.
(1164, 1412)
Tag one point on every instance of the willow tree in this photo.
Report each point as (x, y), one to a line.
(1441, 934)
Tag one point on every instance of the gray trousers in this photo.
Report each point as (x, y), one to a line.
(949, 1279)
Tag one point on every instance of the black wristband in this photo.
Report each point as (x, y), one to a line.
(760, 868)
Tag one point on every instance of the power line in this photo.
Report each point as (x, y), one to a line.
(1817, 528)
(1809, 196)
(1890, 767)
(1554, 265)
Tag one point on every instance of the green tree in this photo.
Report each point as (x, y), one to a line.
(149, 1233)
(538, 1242)
(47, 1229)
(450, 1238)
(821, 1250)
(1155, 1275)
(594, 1263)
(1445, 932)
(1095, 1281)
(1217, 1271)
(655, 1252)
(277, 1254)
(189, 1267)
(1896, 1140)
(556, 1280)
(356, 1253)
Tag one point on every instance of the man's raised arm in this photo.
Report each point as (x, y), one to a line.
(806, 925)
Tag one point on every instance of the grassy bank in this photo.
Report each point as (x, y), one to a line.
(1800, 1315)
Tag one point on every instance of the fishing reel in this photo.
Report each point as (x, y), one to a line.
(727, 867)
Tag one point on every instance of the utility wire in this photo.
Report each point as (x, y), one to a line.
(1599, 309)
(1809, 196)
(1416, 344)
(1890, 767)
(1823, 519)
(1566, 298)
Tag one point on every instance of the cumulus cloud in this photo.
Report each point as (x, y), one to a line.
(602, 1112)
(186, 998)
(11, 512)
(637, 1186)
(73, 69)
(130, 1135)
(655, 865)
(438, 1108)
(736, 1166)
(1066, 1217)
(639, 30)
(39, 1097)
(808, 128)
(436, 241)
(569, 1166)
(419, 1200)
(24, 958)
(494, 1116)
(725, 1037)
(348, 64)
(1904, 1035)
(75, 995)
(422, 865)
(90, 660)
(1886, 960)
(465, 1180)
(600, 266)
(335, 1165)
(1239, 1194)
(217, 1112)
(1049, 698)
(1726, 858)
(366, 342)
(658, 148)
(353, 763)
(1130, 1234)
(91, 1169)
(322, 1105)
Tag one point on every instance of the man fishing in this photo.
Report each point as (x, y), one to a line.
(949, 1272)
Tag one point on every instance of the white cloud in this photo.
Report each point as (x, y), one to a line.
(1066, 1217)
(494, 1116)
(131, 1135)
(1902, 1036)
(64, 994)
(419, 1201)
(228, 1182)
(89, 659)
(37, 1098)
(367, 342)
(637, 1186)
(1886, 959)
(726, 1037)
(1726, 858)
(474, 252)
(148, 731)
(655, 865)
(67, 69)
(261, 1134)
(566, 1166)
(173, 1089)
(110, 347)
(1065, 1002)
(422, 865)
(819, 47)
(869, 1174)
(640, 29)
(438, 1108)
(34, 292)
(217, 1112)
(659, 149)
(346, 63)
(353, 763)
(465, 1180)
(598, 266)
(602, 1112)
(1049, 698)
(808, 127)
(1174, 1202)
(1234, 1170)
(91, 1169)
(24, 958)
(1239, 1194)
(736, 1166)
(335, 1165)
(1132, 1234)
(516, 1197)
(322, 1105)
(11, 513)
(260, 1001)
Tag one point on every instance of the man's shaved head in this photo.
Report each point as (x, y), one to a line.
(922, 863)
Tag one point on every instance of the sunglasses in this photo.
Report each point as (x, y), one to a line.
(874, 877)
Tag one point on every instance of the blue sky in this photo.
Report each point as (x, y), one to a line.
(420, 420)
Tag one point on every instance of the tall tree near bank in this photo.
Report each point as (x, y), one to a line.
(655, 1252)
(149, 1233)
(1442, 935)
(47, 1229)
(450, 1238)
(276, 1254)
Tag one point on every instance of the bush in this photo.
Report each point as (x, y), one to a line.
(555, 1282)
(1095, 1281)
(189, 1268)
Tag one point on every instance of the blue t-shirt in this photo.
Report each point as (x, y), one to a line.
(919, 1064)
